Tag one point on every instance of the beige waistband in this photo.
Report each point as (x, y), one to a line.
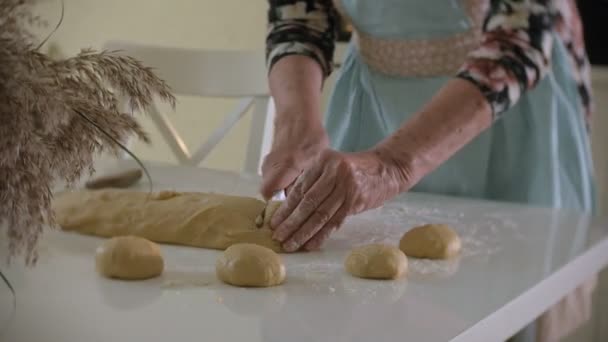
(421, 57)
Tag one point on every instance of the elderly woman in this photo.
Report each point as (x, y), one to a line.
(474, 98)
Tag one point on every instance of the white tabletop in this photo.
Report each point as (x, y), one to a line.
(516, 262)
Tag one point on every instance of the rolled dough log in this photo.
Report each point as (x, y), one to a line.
(193, 219)
(430, 241)
(129, 257)
(376, 261)
(250, 265)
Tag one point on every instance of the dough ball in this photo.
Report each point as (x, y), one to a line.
(250, 265)
(376, 261)
(129, 257)
(431, 241)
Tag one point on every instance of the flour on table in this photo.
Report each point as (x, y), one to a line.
(479, 235)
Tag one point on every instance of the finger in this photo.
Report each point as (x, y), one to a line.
(336, 221)
(311, 200)
(316, 221)
(289, 187)
(301, 186)
(277, 179)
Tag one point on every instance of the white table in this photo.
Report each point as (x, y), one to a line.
(516, 262)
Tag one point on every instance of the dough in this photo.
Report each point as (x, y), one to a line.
(431, 241)
(376, 261)
(129, 257)
(194, 219)
(250, 265)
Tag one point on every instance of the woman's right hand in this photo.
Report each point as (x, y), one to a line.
(291, 154)
(295, 84)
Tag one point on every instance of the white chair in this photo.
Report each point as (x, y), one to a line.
(211, 73)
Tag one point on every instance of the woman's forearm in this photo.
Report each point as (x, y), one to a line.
(299, 52)
(295, 85)
(456, 114)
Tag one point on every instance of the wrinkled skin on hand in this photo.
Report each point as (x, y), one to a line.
(335, 186)
(288, 158)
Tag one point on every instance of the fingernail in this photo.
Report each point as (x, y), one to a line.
(278, 235)
(270, 226)
(290, 246)
(273, 221)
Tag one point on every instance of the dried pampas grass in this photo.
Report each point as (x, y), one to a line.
(55, 115)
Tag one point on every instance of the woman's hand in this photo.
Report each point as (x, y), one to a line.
(289, 157)
(340, 184)
(299, 136)
(335, 186)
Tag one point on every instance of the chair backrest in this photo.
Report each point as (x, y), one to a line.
(211, 73)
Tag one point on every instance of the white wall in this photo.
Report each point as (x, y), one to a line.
(600, 138)
(598, 327)
(210, 24)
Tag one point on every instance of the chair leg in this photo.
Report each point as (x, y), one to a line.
(229, 121)
(260, 135)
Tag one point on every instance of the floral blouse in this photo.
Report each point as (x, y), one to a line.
(514, 54)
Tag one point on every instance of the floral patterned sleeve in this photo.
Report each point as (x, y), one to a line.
(301, 27)
(515, 51)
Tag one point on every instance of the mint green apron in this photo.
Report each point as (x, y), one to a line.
(537, 153)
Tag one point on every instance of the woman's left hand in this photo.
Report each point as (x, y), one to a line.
(340, 184)
(337, 185)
